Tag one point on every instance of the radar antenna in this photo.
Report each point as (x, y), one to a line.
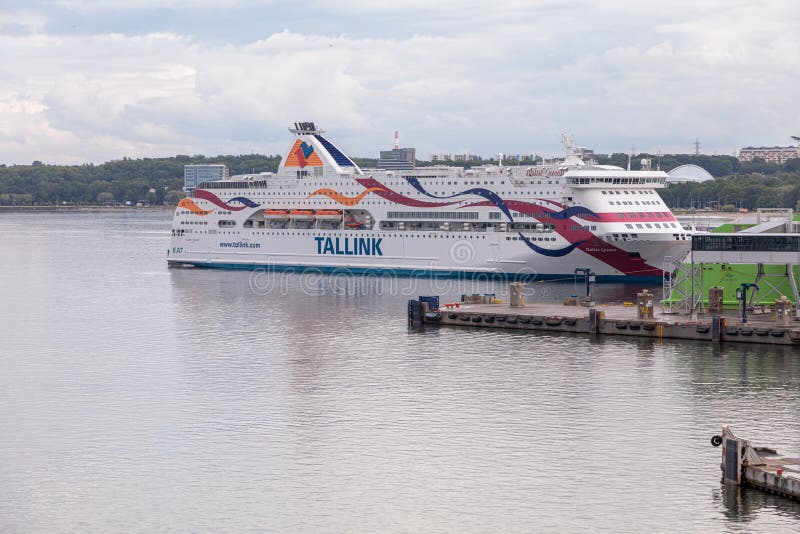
(630, 156)
(305, 128)
(569, 143)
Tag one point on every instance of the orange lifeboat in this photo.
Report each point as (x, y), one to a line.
(301, 215)
(353, 223)
(329, 215)
(276, 215)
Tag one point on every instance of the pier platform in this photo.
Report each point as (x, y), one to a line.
(760, 467)
(610, 319)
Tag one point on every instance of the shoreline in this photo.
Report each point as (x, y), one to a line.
(85, 208)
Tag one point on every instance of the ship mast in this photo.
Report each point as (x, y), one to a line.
(571, 156)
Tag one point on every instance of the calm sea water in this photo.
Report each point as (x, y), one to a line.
(138, 398)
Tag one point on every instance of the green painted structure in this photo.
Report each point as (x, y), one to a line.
(773, 283)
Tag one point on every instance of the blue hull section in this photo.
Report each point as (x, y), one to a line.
(421, 273)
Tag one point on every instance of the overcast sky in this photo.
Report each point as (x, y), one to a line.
(94, 80)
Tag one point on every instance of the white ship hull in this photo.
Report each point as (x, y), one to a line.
(459, 254)
(536, 222)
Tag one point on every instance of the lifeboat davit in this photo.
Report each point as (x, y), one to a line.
(329, 215)
(301, 215)
(276, 215)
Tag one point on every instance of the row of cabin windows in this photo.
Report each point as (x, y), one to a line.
(616, 181)
(262, 184)
(219, 212)
(433, 215)
(439, 235)
(629, 226)
(408, 193)
(190, 231)
(432, 234)
(642, 214)
(456, 226)
(396, 215)
(632, 202)
(626, 192)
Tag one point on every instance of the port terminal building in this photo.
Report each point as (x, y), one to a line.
(194, 175)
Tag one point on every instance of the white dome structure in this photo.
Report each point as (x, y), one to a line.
(688, 173)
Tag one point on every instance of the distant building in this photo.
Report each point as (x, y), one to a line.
(772, 154)
(518, 157)
(688, 173)
(397, 159)
(193, 175)
(462, 156)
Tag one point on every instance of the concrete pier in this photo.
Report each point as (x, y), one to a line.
(612, 319)
(760, 467)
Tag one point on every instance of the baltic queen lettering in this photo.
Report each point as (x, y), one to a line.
(544, 172)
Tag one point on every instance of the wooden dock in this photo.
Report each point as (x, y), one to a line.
(612, 319)
(759, 467)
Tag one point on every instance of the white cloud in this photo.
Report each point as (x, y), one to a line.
(128, 5)
(21, 22)
(616, 76)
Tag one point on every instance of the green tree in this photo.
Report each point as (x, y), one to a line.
(173, 197)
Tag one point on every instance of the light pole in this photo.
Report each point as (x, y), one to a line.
(742, 292)
(589, 277)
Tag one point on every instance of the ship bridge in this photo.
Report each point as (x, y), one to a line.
(599, 178)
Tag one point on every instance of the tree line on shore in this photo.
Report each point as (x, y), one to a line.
(146, 180)
(738, 185)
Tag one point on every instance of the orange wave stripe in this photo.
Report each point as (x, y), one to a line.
(341, 199)
(189, 204)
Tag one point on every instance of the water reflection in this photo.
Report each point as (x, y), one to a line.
(211, 400)
(744, 505)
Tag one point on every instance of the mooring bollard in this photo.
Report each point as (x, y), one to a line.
(595, 316)
(715, 300)
(644, 305)
(715, 328)
(414, 312)
(517, 295)
(783, 311)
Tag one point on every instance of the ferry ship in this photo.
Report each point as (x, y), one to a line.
(321, 211)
